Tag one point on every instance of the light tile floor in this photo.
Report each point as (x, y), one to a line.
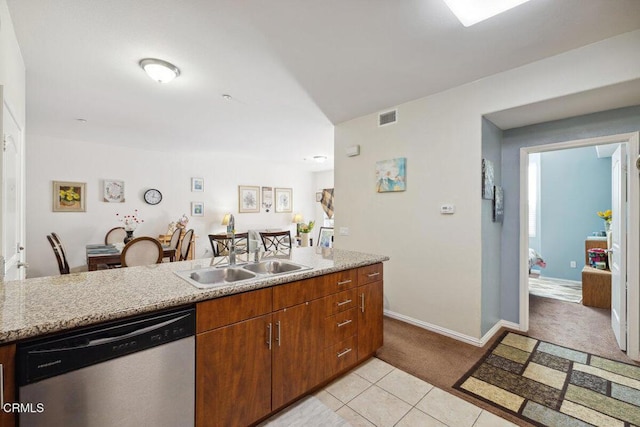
(377, 394)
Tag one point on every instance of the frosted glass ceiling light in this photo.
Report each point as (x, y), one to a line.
(471, 12)
(159, 70)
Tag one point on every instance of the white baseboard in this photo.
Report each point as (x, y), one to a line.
(453, 334)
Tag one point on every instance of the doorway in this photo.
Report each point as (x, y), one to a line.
(631, 305)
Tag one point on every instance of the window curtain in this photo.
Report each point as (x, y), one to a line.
(327, 202)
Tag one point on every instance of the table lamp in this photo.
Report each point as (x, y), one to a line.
(297, 219)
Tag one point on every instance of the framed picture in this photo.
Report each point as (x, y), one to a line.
(319, 196)
(498, 204)
(325, 237)
(197, 184)
(267, 198)
(113, 191)
(248, 199)
(284, 199)
(69, 196)
(487, 179)
(391, 175)
(197, 209)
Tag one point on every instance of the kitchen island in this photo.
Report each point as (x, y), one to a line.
(327, 301)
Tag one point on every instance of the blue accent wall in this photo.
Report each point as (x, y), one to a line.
(574, 185)
(609, 122)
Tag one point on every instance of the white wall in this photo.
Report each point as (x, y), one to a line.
(434, 275)
(50, 159)
(12, 71)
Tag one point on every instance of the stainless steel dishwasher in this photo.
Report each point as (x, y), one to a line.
(135, 372)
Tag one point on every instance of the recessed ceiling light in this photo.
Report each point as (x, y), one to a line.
(82, 120)
(159, 70)
(471, 12)
(227, 97)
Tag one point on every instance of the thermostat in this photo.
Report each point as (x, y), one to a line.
(447, 209)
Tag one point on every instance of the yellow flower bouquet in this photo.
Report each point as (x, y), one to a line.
(606, 215)
(306, 228)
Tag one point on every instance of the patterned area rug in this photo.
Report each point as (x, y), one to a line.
(550, 385)
(564, 290)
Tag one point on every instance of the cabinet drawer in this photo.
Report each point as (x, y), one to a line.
(341, 356)
(336, 303)
(370, 273)
(340, 326)
(295, 293)
(234, 308)
(340, 281)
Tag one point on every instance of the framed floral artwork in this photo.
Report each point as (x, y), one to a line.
(197, 209)
(248, 199)
(113, 191)
(69, 196)
(284, 199)
(267, 198)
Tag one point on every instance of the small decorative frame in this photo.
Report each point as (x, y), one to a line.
(319, 196)
(487, 179)
(498, 204)
(197, 209)
(391, 175)
(69, 196)
(267, 198)
(248, 199)
(284, 199)
(325, 237)
(197, 184)
(113, 191)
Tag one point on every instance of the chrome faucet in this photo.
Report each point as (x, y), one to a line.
(231, 233)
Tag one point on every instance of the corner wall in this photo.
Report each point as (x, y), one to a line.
(52, 159)
(434, 276)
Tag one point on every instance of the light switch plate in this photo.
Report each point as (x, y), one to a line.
(447, 209)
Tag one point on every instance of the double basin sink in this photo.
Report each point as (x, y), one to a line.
(210, 277)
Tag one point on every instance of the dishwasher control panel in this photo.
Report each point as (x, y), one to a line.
(48, 357)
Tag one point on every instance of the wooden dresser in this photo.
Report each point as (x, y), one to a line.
(596, 284)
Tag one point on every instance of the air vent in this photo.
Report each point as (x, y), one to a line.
(387, 118)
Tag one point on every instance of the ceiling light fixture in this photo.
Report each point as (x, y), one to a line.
(227, 97)
(320, 159)
(471, 12)
(159, 70)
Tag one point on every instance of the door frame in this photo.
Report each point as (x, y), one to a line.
(633, 229)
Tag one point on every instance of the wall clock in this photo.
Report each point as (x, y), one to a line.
(153, 196)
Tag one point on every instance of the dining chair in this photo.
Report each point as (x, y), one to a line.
(63, 265)
(141, 251)
(221, 244)
(173, 244)
(186, 245)
(277, 240)
(115, 235)
(63, 252)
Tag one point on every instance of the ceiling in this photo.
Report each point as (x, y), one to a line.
(294, 68)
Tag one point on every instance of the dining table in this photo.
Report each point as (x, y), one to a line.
(109, 255)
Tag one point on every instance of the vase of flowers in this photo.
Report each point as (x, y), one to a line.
(606, 216)
(130, 223)
(305, 229)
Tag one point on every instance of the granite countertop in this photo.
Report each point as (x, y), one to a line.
(44, 305)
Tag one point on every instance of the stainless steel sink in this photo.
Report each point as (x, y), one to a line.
(275, 267)
(211, 277)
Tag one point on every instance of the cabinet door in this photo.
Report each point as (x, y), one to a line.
(297, 351)
(7, 360)
(233, 373)
(369, 319)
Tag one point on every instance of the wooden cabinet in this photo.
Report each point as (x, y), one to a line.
(370, 311)
(297, 351)
(259, 351)
(7, 360)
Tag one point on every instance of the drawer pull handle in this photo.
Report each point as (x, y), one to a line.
(346, 322)
(278, 335)
(377, 273)
(344, 282)
(343, 352)
(343, 302)
(269, 335)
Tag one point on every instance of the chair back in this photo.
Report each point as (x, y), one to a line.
(63, 266)
(175, 239)
(115, 235)
(186, 244)
(141, 251)
(274, 241)
(221, 245)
